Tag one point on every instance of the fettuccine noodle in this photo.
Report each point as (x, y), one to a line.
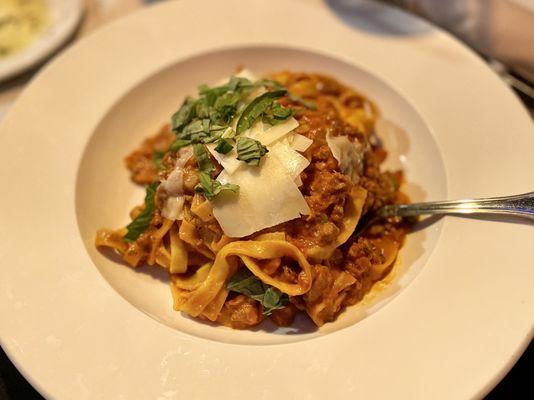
(313, 264)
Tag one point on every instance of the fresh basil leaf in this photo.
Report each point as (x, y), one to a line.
(299, 100)
(202, 109)
(142, 221)
(223, 146)
(235, 83)
(281, 112)
(211, 94)
(256, 108)
(210, 188)
(228, 133)
(196, 130)
(178, 144)
(157, 157)
(245, 282)
(250, 150)
(273, 299)
(276, 114)
(184, 115)
(269, 83)
(203, 158)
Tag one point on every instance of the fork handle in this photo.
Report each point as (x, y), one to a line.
(521, 205)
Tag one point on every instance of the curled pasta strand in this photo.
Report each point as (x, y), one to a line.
(225, 264)
(179, 255)
(352, 214)
(189, 234)
(111, 238)
(156, 239)
(389, 250)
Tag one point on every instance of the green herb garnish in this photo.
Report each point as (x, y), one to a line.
(245, 282)
(276, 114)
(299, 100)
(269, 83)
(224, 146)
(203, 158)
(250, 150)
(179, 143)
(142, 221)
(210, 188)
(184, 115)
(256, 108)
(157, 158)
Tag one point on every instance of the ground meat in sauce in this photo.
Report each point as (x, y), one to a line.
(141, 161)
(326, 191)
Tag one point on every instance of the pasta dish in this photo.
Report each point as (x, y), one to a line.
(253, 194)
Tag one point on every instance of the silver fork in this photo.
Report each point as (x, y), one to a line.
(521, 205)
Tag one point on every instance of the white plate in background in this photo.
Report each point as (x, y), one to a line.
(451, 332)
(64, 16)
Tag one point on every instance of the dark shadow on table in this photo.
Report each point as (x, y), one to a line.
(377, 18)
(13, 386)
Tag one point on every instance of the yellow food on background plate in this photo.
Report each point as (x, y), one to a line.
(253, 194)
(21, 22)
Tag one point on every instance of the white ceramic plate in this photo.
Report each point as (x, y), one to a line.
(64, 17)
(454, 319)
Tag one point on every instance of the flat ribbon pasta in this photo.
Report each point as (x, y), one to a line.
(195, 301)
(390, 250)
(353, 212)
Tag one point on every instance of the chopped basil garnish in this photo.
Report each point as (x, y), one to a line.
(178, 144)
(203, 158)
(299, 100)
(245, 282)
(210, 188)
(271, 84)
(184, 114)
(207, 119)
(250, 150)
(142, 221)
(224, 146)
(157, 157)
(207, 186)
(256, 108)
(276, 114)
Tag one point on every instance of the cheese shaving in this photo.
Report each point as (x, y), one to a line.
(228, 161)
(292, 161)
(274, 133)
(173, 187)
(349, 155)
(299, 142)
(267, 197)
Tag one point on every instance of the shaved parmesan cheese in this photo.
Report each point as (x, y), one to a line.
(267, 197)
(173, 187)
(299, 142)
(244, 73)
(275, 132)
(247, 74)
(349, 155)
(173, 207)
(292, 161)
(255, 130)
(228, 161)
